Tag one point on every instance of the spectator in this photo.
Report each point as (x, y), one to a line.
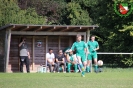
(24, 55)
(50, 57)
(61, 61)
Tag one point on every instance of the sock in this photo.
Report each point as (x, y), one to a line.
(69, 65)
(79, 67)
(83, 70)
(88, 68)
(75, 67)
(82, 67)
(96, 67)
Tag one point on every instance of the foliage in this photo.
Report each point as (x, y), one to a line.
(59, 11)
(49, 8)
(114, 32)
(127, 61)
(11, 13)
(76, 15)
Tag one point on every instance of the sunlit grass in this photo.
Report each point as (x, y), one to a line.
(109, 78)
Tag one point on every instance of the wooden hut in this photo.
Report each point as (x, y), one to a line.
(47, 36)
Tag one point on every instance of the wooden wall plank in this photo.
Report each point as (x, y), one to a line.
(39, 53)
(53, 43)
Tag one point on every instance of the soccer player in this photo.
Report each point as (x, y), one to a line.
(93, 46)
(71, 61)
(81, 48)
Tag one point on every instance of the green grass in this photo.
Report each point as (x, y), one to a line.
(110, 78)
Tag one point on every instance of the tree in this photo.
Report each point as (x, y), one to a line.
(110, 25)
(11, 13)
(49, 8)
(76, 15)
(114, 32)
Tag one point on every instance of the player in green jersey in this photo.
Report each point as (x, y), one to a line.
(71, 61)
(93, 46)
(81, 48)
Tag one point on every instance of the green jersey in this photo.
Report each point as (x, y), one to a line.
(79, 47)
(92, 45)
(71, 58)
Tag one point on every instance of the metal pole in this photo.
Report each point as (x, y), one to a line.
(88, 38)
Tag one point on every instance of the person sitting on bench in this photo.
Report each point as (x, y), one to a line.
(50, 57)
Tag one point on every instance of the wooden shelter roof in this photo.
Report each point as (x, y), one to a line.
(48, 28)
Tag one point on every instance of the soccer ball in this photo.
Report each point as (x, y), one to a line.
(100, 62)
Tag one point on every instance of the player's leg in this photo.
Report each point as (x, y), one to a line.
(75, 67)
(79, 68)
(69, 67)
(81, 65)
(79, 61)
(88, 66)
(95, 62)
(84, 69)
(84, 61)
(89, 60)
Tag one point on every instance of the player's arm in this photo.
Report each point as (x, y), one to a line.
(86, 48)
(73, 47)
(67, 57)
(97, 46)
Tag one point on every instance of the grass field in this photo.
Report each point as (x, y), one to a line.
(109, 78)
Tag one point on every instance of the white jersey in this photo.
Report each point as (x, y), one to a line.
(51, 56)
(75, 57)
